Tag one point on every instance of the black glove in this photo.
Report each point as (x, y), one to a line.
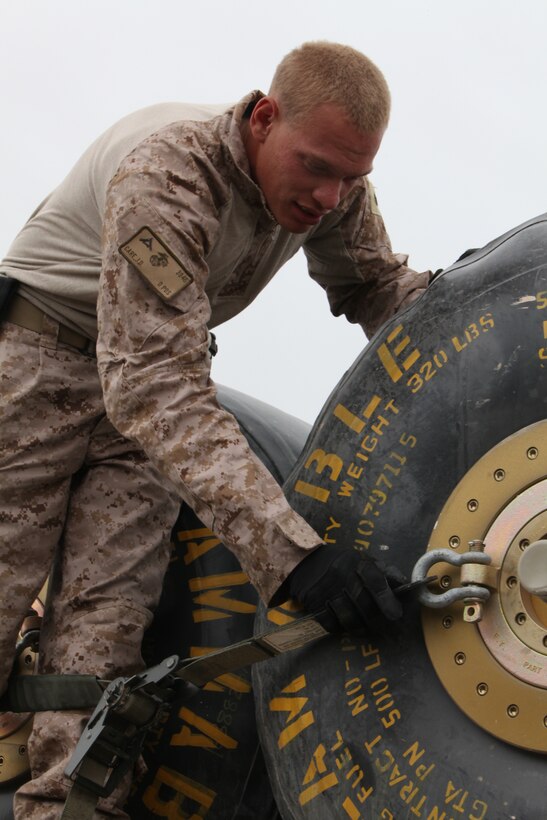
(349, 588)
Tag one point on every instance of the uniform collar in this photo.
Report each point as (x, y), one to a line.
(236, 157)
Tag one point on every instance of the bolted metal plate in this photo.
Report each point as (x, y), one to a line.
(496, 669)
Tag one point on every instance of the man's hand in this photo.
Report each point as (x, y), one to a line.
(348, 587)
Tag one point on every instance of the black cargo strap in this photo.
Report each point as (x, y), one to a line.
(114, 736)
(44, 693)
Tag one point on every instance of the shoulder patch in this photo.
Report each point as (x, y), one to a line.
(373, 199)
(153, 260)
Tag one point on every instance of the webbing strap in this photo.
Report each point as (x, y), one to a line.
(44, 693)
(81, 802)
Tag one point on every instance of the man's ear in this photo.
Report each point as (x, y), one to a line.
(263, 115)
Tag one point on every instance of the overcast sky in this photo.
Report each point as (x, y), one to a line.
(463, 161)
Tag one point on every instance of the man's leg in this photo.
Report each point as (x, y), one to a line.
(44, 427)
(106, 583)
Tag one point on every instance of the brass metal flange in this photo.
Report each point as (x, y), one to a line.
(495, 668)
(15, 727)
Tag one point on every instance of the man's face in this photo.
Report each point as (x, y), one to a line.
(305, 169)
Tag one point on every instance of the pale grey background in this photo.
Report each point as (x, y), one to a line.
(463, 161)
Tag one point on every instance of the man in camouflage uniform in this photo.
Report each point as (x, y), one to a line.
(170, 224)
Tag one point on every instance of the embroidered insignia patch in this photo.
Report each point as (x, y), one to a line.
(159, 266)
(373, 199)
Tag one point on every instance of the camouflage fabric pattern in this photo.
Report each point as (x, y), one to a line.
(84, 487)
(185, 195)
(54, 736)
(74, 491)
(190, 164)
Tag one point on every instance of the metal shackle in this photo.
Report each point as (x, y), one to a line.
(450, 596)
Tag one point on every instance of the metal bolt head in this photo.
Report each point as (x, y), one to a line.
(512, 710)
(511, 582)
(520, 618)
(472, 505)
(499, 475)
(22, 750)
(454, 541)
(524, 543)
(460, 658)
(448, 620)
(532, 452)
(472, 612)
(445, 581)
(482, 689)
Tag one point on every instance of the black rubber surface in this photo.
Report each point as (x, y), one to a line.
(364, 729)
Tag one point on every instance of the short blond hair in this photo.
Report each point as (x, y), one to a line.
(322, 72)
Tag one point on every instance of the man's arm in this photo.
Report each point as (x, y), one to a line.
(351, 257)
(155, 369)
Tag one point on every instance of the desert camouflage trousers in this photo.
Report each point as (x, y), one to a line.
(78, 499)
